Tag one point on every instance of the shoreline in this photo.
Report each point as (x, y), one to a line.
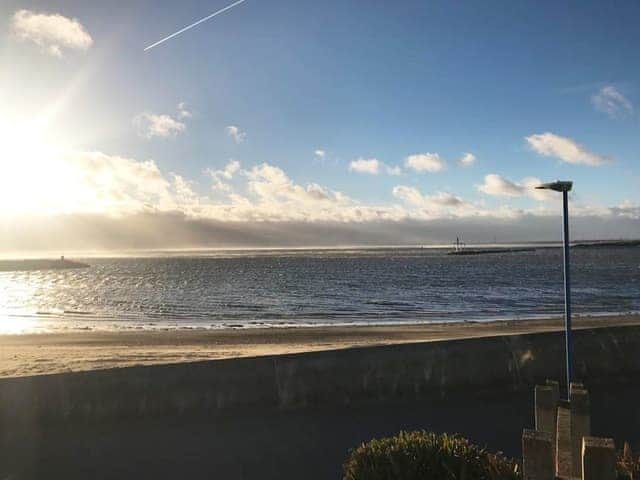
(41, 324)
(47, 353)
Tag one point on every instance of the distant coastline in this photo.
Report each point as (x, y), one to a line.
(219, 251)
(607, 243)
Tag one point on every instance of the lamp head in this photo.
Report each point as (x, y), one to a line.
(559, 186)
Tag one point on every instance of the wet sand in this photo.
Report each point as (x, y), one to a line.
(24, 355)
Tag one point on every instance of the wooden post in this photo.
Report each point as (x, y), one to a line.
(563, 440)
(537, 455)
(546, 405)
(580, 425)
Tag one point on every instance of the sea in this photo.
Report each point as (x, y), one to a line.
(314, 287)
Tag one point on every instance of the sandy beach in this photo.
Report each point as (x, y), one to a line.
(24, 355)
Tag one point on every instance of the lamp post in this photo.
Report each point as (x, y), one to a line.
(565, 187)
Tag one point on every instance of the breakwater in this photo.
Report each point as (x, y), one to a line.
(39, 264)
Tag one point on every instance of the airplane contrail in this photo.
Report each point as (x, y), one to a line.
(189, 27)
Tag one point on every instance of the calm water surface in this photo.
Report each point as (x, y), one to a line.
(315, 287)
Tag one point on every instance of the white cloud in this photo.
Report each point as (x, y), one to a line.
(221, 177)
(320, 153)
(362, 165)
(184, 190)
(565, 149)
(530, 184)
(270, 183)
(467, 159)
(52, 32)
(499, 186)
(118, 184)
(627, 209)
(373, 166)
(183, 112)
(272, 195)
(164, 126)
(94, 182)
(610, 101)
(425, 162)
(236, 134)
(232, 167)
(437, 201)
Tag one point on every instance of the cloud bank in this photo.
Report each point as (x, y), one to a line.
(166, 230)
(101, 201)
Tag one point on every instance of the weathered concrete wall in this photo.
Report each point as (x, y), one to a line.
(398, 372)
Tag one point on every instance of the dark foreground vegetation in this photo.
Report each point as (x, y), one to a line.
(628, 464)
(427, 456)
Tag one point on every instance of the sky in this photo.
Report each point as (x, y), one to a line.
(305, 123)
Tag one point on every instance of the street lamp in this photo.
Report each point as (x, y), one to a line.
(565, 187)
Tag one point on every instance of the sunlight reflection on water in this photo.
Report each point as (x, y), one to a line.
(18, 325)
(307, 288)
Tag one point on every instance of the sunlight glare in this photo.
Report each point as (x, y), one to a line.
(35, 177)
(17, 325)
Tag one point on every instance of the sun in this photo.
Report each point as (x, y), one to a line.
(35, 177)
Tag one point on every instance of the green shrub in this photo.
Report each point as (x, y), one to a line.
(628, 464)
(426, 456)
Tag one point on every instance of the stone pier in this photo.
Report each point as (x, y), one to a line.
(563, 440)
(537, 455)
(580, 425)
(546, 404)
(598, 459)
(561, 446)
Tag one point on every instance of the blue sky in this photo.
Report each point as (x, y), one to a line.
(357, 80)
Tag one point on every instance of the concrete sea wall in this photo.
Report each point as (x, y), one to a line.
(342, 377)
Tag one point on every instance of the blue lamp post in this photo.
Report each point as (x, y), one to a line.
(565, 187)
